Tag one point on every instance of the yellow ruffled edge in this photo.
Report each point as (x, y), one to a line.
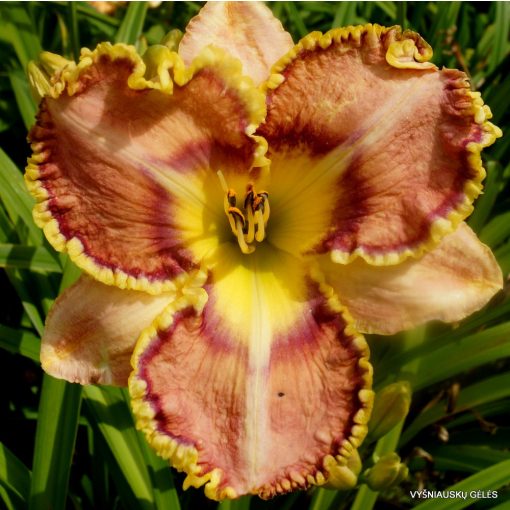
(159, 69)
(339, 471)
(441, 227)
(350, 35)
(405, 50)
(182, 457)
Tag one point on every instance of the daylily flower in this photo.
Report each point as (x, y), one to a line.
(227, 202)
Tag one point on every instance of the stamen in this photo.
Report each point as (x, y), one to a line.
(234, 211)
(250, 226)
(232, 222)
(250, 234)
(223, 182)
(245, 248)
(235, 216)
(229, 201)
(265, 206)
(259, 220)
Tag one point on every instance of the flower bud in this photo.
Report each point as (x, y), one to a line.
(386, 472)
(390, 407)
(40, 85)
(43, 73)
(52, 63)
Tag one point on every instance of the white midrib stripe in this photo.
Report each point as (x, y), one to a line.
(257, 390)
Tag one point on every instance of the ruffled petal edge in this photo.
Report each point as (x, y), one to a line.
(336, 470)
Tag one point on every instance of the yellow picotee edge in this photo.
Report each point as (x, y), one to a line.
(339, 471)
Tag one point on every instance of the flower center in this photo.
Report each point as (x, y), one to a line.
(248, 224)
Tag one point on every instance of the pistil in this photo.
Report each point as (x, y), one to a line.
(250, 225)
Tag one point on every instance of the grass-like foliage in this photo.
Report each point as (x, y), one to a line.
(64, 446)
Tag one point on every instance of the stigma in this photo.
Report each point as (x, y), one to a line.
(248, 220)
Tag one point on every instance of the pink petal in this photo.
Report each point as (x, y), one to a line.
(263, 390)
(375, 152)
(449, 283)
(92, 329)
(246, 30)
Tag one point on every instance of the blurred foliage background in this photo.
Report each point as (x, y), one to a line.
(64, 446)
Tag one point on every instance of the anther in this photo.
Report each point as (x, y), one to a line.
(229, 201)
(231, 197)
(250, 226)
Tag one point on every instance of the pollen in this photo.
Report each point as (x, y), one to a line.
(249, 223)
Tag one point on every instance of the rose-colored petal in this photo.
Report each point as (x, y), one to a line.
(262, 387)
(247, 30)
(448, 283)
(123, 166)
(375, 152)
(92, 329)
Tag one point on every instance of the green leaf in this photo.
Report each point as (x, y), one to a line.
(488, 479)
(461, 355)
(22, 283)
(19, 31)
(110, 413)
(402, 14)
(71, 272)
(10, 498)
(504, 505)
(389, 369)
(502, 254)
(28, 257)
(445, 20)
(389, 8)
(345, 14)
(496, 95)
(14, 474)
(295, 18)
(7, 232)
(57, 424)
(497, 230)
(132, 24)
(73, 29)
(322, 499)
(486, 201)
(165, 494)
(488, 390)
(17, 201)
(92, 15)
(501, 34)
(486, 42)
(465, 458)
(236, 504)
(24, 99)
(20, 341)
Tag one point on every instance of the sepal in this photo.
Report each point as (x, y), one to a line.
(391, 406)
